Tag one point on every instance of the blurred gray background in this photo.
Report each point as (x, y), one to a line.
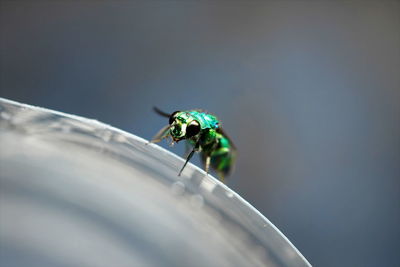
(308, 90)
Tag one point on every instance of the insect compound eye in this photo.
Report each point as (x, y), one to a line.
(172, 117)
(192, 129)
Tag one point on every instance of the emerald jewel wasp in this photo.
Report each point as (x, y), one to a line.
(203, 134)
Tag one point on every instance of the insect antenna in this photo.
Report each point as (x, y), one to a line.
(161, 113)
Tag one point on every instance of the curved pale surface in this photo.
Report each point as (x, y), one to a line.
(76, 192)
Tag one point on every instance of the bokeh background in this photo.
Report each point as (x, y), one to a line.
(308, 90)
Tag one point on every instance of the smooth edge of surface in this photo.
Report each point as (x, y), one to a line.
(144, 141)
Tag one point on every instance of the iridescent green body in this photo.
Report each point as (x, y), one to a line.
(204, 134)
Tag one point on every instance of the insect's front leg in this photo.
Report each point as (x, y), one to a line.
(163, 133)
(188, 149)
(195, 148)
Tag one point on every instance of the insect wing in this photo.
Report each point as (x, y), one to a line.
(221, 131)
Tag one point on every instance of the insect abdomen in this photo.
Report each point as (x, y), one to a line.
(223, 157)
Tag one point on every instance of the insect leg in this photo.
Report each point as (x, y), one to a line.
(207, 164)
(187, 149)
(189, 157)
(221, 176)
(161, 134)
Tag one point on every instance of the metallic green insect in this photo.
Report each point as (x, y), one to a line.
(203, 134)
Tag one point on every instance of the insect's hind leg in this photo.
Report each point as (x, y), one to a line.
(221, 176)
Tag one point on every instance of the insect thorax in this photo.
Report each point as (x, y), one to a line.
(208, 125)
